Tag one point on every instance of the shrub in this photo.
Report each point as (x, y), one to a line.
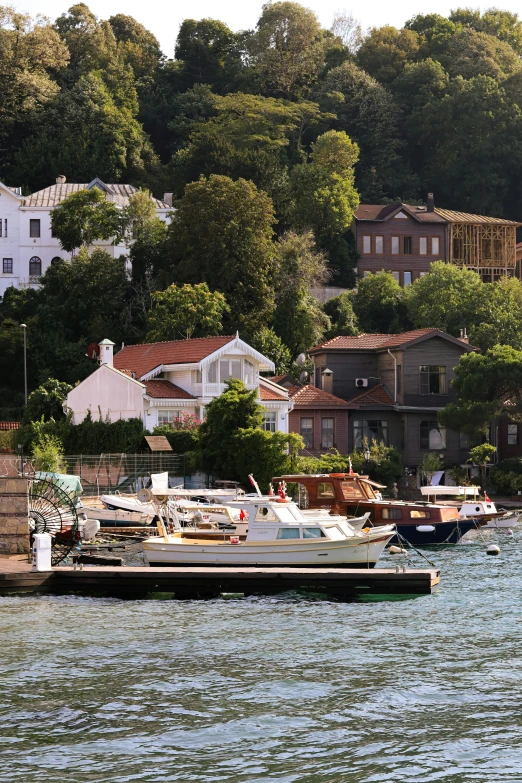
(48, 454)
(507, 482)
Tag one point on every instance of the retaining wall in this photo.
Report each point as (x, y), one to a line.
(14, 516)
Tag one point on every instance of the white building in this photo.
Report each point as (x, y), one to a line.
(26, 241)
(159, 382)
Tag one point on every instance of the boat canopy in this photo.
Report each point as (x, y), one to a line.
(445, 490)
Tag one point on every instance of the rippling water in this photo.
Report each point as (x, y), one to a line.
(270, 689)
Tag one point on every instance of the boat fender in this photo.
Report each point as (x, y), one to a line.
(425, 528)
(234, 539)
(493, 549)
(509, 532)
(397, 550)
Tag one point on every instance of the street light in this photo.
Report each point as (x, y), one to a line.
(24, 327)
(367, 455)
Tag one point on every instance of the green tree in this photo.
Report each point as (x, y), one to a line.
(210, 53)
(386, 51)
(378, 303)
(232, 443)
(46, 401)
(91, 43)
(300, 321)
(84, 217)
(221, 234)
(487, 386)
(31, 52)
(429, 465)
(504, 25)
(448, 298)
(186, 311)
(482, 455)
(498, 315)
(287, 49)
(138, 47)
(48, 454)
(148, 251)
(342, 315)
(267, 342)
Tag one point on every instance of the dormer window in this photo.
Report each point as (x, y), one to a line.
(212, 372)
(249, 372)
(401, 216)
(229, 368)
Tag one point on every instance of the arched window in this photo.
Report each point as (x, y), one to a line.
(56, 260)
(35, 267)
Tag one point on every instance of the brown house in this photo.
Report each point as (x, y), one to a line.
(394, 386)
(320, 418)
(405, 240)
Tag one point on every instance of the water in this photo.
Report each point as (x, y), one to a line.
(286, 689)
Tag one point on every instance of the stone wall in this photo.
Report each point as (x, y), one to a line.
(14, 516)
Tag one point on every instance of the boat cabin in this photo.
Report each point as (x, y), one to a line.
(353, 494)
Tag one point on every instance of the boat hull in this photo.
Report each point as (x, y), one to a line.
(443, 533)
(346, 553)
(502, 522)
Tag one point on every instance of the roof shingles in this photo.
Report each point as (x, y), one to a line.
(312, 397)
(165, 390)
(55, 194)
(365, 342)
(378, 395)
(143, 358)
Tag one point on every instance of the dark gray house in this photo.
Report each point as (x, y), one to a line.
(395, 384)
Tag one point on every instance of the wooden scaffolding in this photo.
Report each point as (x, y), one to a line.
(487, 248)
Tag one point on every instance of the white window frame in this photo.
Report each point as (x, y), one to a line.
(410, 280)
(168, 417)
(230, 362)
(269, 421)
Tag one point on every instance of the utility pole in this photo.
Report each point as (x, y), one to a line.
(24, 327)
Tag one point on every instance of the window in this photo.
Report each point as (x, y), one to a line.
(432, 436)
(269, 421)
(313, 532)
(198, 372)
(423, 246)
(512, 434)
(212, 372)
(379, 245)
(351, 489)
(366, 273)
(249, 371)
(325, 490)
(367, 244)
(401, 216)
(432, 379)
(327, 433)
(229, 368)
(35, 267)
(399, 378)
(464, 440)
(434, 246)
(395, 246)
(415, 514)
(407, 246)
(7, 266)
(421, 274)
(307, 432)
(34, 228)
(392, 513)
(288, 532)
(396, 276)
(407, 278)
(168, 417)
(373, 429)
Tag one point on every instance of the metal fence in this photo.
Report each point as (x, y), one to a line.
(106, 473)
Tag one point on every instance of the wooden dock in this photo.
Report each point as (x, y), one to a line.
(205, 582)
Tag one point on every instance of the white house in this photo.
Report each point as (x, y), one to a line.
(26, 241)
(158, 382)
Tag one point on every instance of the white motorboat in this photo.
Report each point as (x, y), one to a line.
(278, 535)
(484, 510)
(118, 517)
(323, 513)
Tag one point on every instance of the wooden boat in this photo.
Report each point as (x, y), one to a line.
(278, 535)
(420, 523)
(480, 509)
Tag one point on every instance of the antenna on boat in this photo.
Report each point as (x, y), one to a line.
(255, 484)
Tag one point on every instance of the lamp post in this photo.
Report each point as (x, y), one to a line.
(24, 327)
(367, 454)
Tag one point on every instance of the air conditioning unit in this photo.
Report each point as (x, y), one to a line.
(361, 382)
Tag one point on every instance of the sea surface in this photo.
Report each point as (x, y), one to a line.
(287, 689)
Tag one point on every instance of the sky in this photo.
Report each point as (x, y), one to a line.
(164, 18)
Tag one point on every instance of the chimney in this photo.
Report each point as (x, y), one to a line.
(430, 203)
(327, 377)
(464, 337)
(106, 351)
(61, 179)
(167, 198)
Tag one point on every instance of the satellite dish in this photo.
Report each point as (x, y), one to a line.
(301, 359)
(303, 377)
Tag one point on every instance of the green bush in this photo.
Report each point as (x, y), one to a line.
(511, 465)
(507, 482)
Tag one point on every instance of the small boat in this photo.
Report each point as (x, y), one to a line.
(278, 535)
(484, 510)
(421, 523)
(118, 517)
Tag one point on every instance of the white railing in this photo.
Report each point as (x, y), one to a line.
(215, 389)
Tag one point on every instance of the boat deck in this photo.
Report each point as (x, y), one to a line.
(202, 582)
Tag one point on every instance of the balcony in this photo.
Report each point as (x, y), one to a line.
(215, 389)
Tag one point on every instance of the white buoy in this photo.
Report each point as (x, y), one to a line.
(509, 531)
(493, 549)
(397, 550)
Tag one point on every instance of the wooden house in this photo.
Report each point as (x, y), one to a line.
(405, 240)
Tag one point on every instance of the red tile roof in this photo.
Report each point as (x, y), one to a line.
(378, 395)
(365, 342)
(164, 389)
(312, 397)
(267, 393)
(141, 359)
